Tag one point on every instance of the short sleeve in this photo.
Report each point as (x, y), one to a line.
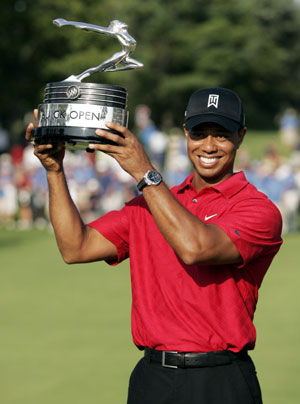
(254, 226)
(114, 227)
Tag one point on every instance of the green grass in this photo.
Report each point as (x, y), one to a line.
(65, 330)
(256, 143)
(277, 353)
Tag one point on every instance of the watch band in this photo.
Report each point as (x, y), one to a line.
(142, 184)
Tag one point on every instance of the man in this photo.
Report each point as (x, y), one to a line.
(198, 254)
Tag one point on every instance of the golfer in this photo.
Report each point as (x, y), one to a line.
(198, 254)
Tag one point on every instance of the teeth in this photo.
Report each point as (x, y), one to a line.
(208, 160)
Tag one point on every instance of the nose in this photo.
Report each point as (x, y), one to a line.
(209, 144)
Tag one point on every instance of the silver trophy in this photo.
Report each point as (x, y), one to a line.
(72, 110)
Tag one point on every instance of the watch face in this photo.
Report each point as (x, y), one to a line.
(154, 177)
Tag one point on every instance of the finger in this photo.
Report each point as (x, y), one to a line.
(49, 148)
(126, 135)
(35, 114)
(119, 128)
(106, 148)
(41, 149)
(28, 133)
(110, 136)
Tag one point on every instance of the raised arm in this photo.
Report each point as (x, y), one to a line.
(193, 240)
(76, 241)
(60, 22)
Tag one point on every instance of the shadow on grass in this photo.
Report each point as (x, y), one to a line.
(14, 238)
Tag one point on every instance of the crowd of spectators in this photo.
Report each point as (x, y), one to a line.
(279, 179)
(97, 183)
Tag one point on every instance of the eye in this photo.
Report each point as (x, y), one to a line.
(222, 136)
(196, 135)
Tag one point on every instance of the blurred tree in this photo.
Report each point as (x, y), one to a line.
(34, 51)
(251, 46)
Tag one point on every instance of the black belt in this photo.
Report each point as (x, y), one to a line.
(173, 359)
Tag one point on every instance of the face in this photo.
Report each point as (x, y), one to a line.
(212, 149)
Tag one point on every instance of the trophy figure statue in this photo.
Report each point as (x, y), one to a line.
(73, 109)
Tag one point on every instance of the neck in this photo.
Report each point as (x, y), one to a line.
(202, 182)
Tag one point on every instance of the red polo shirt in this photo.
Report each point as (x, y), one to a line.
(196, 308)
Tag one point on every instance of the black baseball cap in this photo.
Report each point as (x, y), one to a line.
(217, 105)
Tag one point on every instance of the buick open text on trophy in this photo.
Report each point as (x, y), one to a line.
(72, 110)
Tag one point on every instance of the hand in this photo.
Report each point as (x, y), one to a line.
(50, 155)
(128, 151)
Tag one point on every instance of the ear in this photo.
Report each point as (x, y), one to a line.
(241, 136)
(185, 131)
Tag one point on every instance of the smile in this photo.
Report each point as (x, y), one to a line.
(208, 160)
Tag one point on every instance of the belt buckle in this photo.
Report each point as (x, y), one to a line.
(164, 360)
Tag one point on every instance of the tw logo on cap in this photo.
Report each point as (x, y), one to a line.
(213, 100)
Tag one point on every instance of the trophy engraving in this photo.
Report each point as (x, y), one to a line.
(73, 109)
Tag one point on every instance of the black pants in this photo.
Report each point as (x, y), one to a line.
(234, 383)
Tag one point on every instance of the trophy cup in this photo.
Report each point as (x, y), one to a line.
(72, 110)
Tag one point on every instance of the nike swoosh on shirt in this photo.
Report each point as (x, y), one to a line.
(209, 217)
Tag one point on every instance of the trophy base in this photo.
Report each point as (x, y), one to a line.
(72, 111)
(74, 138)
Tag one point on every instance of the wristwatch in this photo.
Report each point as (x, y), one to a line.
(151, 177)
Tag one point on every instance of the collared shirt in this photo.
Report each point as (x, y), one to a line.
(196, 308)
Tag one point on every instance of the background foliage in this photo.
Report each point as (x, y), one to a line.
(251, 46)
